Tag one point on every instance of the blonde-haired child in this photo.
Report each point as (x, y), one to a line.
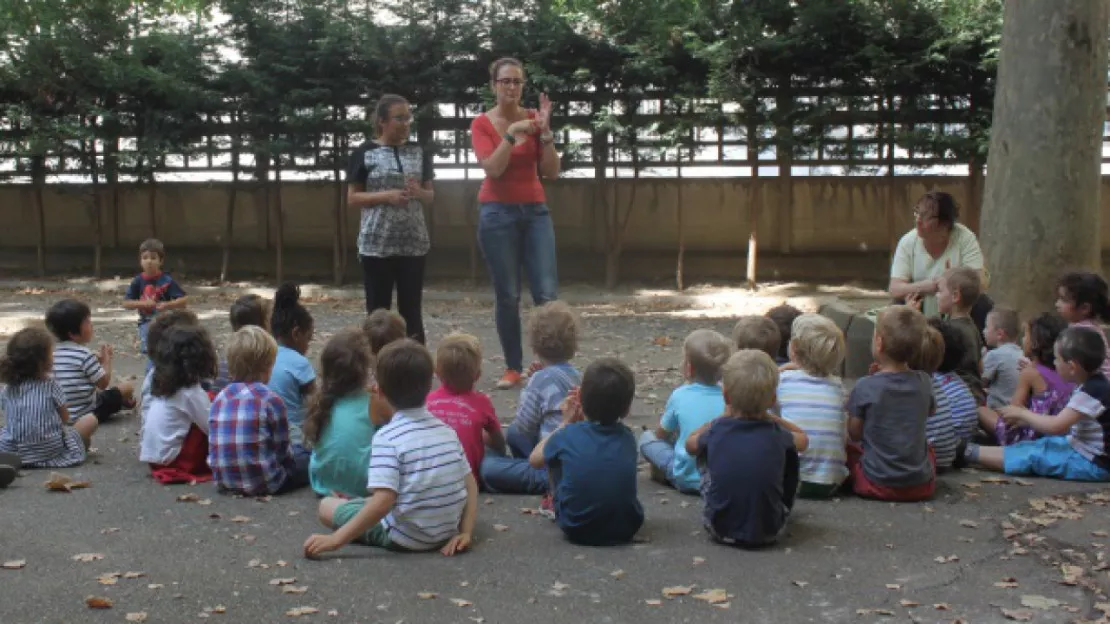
(340, 425)
(688, 408)
(748, 458)
(249, 449)
(553, 332)
(812, 397)
(757, 332)
(469, 412)
(890, 458)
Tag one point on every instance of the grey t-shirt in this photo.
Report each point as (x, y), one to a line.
(894, 408)
(1000, 373)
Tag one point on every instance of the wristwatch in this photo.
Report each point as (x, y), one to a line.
(510, 138)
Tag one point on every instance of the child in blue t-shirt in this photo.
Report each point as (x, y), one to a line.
(592, 462)
(293, 377)
(338, 423)
(748, 458)
(689, 407)
(152, 290)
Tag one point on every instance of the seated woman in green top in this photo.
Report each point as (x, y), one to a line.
(338, 425)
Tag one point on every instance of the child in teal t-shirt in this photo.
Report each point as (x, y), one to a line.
(689, 407)
(338, 425)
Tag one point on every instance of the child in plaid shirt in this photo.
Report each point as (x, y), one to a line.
(248, 433)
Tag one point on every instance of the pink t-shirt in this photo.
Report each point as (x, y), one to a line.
(469, 414)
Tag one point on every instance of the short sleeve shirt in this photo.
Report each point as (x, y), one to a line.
(688, 408)
(469, 414)
(157, 288)
(342, 454)
(520, 182)
(77, 371)
(894, 408)
(292, 371)
(593, 468)
(816, 404)
(386, 230)
(913, 264)
(1000, 372)
(1090, 435)
(750, 470)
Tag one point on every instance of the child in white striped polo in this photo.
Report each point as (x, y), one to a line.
(35, 406)
(424, 495)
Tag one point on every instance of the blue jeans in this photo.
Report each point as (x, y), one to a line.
(660, 454)
(501, 474)
(516, 238)
(143, 329)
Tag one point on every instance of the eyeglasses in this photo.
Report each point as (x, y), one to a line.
(401, 118)
(923, 215)
(513, 82)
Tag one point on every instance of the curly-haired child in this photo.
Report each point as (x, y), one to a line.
(339, 426)
(159, 326)
(175, 434)
(37, 433)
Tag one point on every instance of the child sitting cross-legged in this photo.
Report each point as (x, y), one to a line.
(811, 397)
(940, 428)
(293, 378)
(175, 433)
(246, 310)
(553, 331)
(1001, 365)
(783, 316)
(889, 457)
(592, 462)
(423, 496)
(469, 412)
(382, 327)
(961, 400)
(748, 458)
(757, 332)
(1076, 446)
(339, 426)
(248, 434)
(37, 432)
(85, 377)
(689, 407)
(1039, 388)
(160, 325)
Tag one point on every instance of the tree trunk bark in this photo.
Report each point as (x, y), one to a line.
(1041, 211)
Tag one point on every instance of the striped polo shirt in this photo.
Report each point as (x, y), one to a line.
(816, 405)
(940, 429)
(33, 429)
(420, 458)
(1090, 435)
(962, 403)
(77, 371)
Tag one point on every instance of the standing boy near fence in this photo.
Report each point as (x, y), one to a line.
(152, 290)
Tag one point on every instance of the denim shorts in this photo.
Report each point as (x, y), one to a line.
(1051, 456)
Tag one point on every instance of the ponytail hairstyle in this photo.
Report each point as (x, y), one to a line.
(381, 110)
(27, 357)
(288, 313)
(183, 358)
(344, 366)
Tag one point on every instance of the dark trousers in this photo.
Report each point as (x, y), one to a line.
(380, 275)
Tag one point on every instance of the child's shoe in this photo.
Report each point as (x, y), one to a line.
(7, 475)
(510, 379)
(547, 507)
(11, 459)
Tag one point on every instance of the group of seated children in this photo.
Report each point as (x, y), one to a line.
(762, 419)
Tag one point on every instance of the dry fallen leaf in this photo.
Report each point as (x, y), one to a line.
(283, 581)
(334, 613)
(58, 482)
(133, 575)
(941, 606)
(426, 595)
(909, 603)
(971, 524)
(109, 530)
(677, 590)
(98, 602)
(240, 519)
(1039, 602)
(87, 557)
(110, 578)
(712, 596)
(1019, 615)
(282, 563)
(204, 502)
(894, 586)
(500, 527)
(155, 586)
(886, 612)
(191, 497)
(661, 341)
(1100, 534)
(291, 589)
(299, 611)
(254, 563)
(137, 617)
(15, 564)
(617, 574)
(653, 602)
(699, 560)
(1023, 482)
(722, 605)
(459, 602)
(1007, 583)
(800, 583)
(994, 480)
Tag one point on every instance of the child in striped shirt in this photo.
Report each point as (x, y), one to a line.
(34, 404)
(940, 429)
(961, 399)
(85, 378)
(424, 496)
(812, 398)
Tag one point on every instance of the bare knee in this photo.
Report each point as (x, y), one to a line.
(326, 510)
(86, 426)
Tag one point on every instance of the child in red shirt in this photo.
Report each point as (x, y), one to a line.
(469, 412)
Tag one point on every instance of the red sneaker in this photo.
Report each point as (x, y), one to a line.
(547, 506)
(510, 379)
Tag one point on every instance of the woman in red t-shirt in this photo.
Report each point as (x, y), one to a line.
(515, 147)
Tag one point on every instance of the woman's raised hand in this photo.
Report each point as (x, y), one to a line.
(543, 120)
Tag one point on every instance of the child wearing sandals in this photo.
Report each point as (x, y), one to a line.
(1076, 446)
(175, 434)
(38, 433)
(340, 425)
(1039, 388)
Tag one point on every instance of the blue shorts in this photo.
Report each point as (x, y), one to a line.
(1052, 457)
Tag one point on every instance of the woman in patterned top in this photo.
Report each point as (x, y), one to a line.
(35, 406)
(391, 181)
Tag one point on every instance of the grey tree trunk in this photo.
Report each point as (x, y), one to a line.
(1041, 210)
